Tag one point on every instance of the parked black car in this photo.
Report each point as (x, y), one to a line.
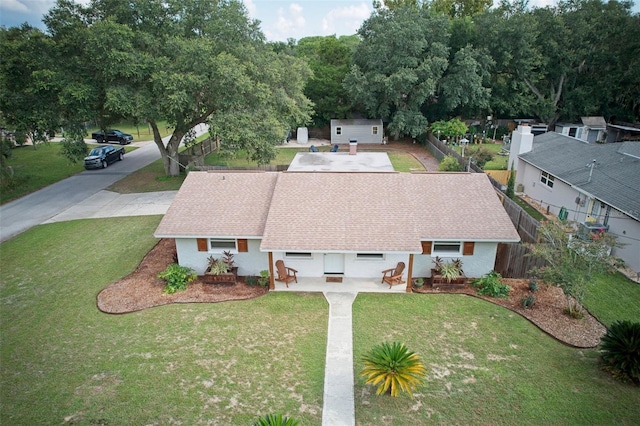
(101, 157)
(112, 135)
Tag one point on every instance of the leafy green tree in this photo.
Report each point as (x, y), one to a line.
(398, 66)
(511, 183)
(460, 8)
(186, 63)
(28, 87)
(451, 128)
(450, 164)
(393, 368)
(481, 155)
(572, 261)
(329, 59)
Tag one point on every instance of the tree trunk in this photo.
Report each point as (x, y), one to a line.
(169, 152)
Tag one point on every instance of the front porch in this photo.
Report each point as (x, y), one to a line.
(348, 284)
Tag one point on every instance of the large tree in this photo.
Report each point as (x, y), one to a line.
(329, 58)
(28, 87)
(186, 63)
(398, 66)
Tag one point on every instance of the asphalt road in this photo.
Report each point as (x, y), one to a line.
(37, 207)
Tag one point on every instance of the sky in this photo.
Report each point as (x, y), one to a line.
(280, 20)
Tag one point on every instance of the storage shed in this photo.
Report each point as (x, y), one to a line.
(362, 130)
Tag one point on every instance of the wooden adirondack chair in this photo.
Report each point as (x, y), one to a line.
(285, 274)
(393, 276)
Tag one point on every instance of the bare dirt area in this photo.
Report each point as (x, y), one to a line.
(143, 289)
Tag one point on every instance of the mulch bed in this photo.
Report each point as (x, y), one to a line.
(142, 289)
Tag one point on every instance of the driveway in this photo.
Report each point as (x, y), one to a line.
(47, 203)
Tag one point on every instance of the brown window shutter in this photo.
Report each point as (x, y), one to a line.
(203, 244)
(426, 247)
(243, 246)
(467, 249)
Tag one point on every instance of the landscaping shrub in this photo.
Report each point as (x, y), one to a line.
(177, 277)
(620, 350)
(393, 368)
(528, 301)
(533, 285)
(252, 280)
(491, 285)
(275, 420)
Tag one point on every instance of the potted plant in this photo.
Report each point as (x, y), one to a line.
(447, 274)
(418, 282)
(221, 271)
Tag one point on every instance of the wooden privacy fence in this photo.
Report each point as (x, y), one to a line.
(501, 176)
(194, 155)
(513, 261)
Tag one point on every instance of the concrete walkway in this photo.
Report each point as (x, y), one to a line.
(339, 405)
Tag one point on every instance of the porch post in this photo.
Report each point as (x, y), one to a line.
(410, 273)
(272, 283)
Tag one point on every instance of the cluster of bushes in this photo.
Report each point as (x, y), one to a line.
(491, 285)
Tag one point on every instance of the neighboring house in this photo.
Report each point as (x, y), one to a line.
(361, 130)
(621, 132)
(592, 129)
(596, 184)
(352, 224)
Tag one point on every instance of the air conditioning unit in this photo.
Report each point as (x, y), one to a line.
(586, 229)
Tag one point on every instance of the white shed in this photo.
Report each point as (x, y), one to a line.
(362, 130)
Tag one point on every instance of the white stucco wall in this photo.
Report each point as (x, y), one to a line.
(248, 263)
(482, 261)
(254, 261)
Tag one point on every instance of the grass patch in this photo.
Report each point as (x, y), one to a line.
(65, 362)
(487, 365)
(34, 169)
(404, 162)
(613, 297)
(533, 212)
(150, 178)
(499, 162)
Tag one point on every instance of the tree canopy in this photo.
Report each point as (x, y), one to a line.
(185, 63)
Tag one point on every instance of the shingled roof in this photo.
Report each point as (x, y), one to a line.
(615, 179)
(341, 212)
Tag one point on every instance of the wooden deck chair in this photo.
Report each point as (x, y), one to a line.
(393, 276)
(285, 274)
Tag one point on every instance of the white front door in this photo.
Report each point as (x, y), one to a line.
(334, 263)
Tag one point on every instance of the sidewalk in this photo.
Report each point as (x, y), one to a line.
(338, 398)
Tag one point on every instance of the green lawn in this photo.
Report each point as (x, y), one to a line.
(499, 162)
(487, 366)
(613, 297)
(533, 212)
(35, 169)
(65, 362)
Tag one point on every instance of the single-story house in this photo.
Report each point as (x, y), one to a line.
(350, 224)
(597, 185)
(360, 130)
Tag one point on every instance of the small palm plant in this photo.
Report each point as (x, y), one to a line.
(393, 368)
(620, 350)
(275, 420)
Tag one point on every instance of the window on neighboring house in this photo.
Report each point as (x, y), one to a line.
(298, 255)
(447, 248)
(369, 256)
(338, 130)
(547, 179)
(374, 130)
(572, 131)
(220, 244)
